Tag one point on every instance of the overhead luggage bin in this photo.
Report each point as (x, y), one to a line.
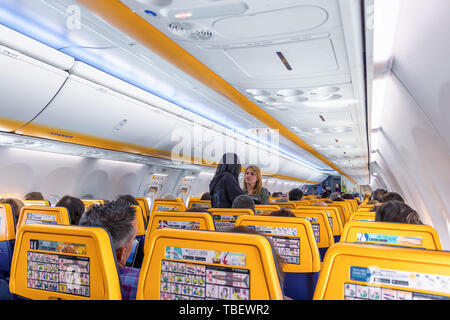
(90, 114)
(27, 86)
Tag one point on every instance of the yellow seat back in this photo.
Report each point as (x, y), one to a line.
(43, 215)
(140, 222)
(265, 209)
(365, 206)
(89, 202)
(64, 262)
(144, 206)
(320, 224)
(7, 227)
(181, 220)
(334, 217)
(186, 264)
(353, 204)
(365, 209)
(293, 239)
(399, 234)
(168, 205)
(344, 209)
(362, 216)
(44, 203)
(370, 272)
(225, 219)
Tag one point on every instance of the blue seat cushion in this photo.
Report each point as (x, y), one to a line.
(300, 286)
(6, 252)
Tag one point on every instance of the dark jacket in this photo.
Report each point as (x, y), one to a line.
(261, 197)
(223, 189)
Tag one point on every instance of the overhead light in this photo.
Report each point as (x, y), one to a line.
(220, 9)
(183, 15)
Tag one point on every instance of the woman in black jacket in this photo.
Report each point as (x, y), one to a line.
(224, 187)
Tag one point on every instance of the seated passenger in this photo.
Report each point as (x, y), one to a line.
(325, 194)
(378, 195)
(358, 197)
(224, 187)
(295, 195)
(119, 219)
(335, 197)
(347, 196)
(277, 194)
(282, 213)
(16, 206)
(243, 201)
(320, 204)
(396, 211)
(392, 196)
(366, 196)
(74, 206)
(127, 198)
(206, 196)
(34, 196)
(253, 185)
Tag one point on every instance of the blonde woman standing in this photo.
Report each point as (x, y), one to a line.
(253, 185)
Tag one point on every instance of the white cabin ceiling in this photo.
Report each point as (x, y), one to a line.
(315, 84)
(317, 99)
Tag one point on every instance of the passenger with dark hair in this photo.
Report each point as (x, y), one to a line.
(325, 194)
(282, 213)
(378, 195)
(396, 211)
(347, 196)
(392, 196)
(243, 201)
(16, 206)
(127, 198)
(119, 219)
(74, 206)
(335, 197)
(206, 196)
(224, 187)
(34, 196)
(295, 194)
(277, 194)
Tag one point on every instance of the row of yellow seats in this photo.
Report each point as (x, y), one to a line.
(353, 271)
(73, 262)
(350, 284)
